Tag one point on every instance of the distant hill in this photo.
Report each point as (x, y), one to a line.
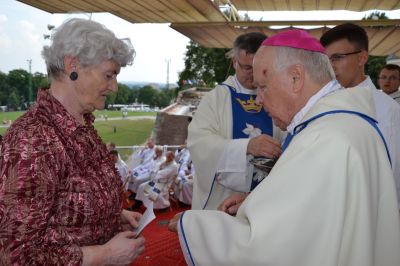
(140, 84)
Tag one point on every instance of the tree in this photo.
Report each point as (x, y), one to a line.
(374, 66)
(376, 15)
(4, 89)
(39, 80)
(134, 95)
(375, 63)
(123, 94)
(13, 100)
(147, 95)
(165, 97)
(205, 64)
(18, 80)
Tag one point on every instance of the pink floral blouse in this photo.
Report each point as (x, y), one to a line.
(59, 189)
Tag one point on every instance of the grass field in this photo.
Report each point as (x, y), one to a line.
(127, 132)
(14, 115)
(10, 115)
(119, 113)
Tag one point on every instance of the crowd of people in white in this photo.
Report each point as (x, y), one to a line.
(156, 173)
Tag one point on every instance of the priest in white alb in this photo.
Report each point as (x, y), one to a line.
(228, 129)
(157, 188)
(330, 198)
(139, 177)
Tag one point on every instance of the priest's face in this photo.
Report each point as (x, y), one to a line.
(158, 152)
(150, 143)
(243, 65)
(170, 156)
(273, 87)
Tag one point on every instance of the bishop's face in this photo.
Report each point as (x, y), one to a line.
(272, 87)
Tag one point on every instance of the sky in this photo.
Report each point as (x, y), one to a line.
(22, 28)
(21, 38)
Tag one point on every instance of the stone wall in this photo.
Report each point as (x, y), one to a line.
(170, 129)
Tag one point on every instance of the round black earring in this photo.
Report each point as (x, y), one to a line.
(73, 76)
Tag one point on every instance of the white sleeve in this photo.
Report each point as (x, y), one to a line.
(182, 241)
(232, 166)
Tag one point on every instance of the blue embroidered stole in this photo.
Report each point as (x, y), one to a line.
(304, 124)
(246, 111)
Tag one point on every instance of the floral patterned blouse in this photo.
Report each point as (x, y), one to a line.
(59, 190)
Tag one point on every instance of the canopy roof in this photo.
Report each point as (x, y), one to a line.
(138, 11)
(203, 22)
(304, 5)
(384, 37)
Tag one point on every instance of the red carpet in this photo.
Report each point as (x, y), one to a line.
(162, 246)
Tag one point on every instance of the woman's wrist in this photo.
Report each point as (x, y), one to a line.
(94, 255)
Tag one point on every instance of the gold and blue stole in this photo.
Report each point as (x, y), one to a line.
(246, 111)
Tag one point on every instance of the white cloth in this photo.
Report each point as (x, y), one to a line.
(134, 159)
(329, 200)
(182, 157)
(213, 150)
(146, 165)
(395, 96)
(147, 155)
(183, 188)
(163, 179)
(143, 174)
(123, 171)
(298, 118)
(388, 117)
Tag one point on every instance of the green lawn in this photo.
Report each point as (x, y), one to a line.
(10, 115)
(2, 130)
(128, 132)
(119, 113)
(14, 115)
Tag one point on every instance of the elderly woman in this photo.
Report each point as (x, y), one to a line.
(60, 194)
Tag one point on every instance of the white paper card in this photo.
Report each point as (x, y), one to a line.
(147, 217)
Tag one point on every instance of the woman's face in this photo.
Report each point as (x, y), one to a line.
(95, 83)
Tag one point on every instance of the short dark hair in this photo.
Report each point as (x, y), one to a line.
(113, 152)
(250, 42)
(349, 31)
(392, 67)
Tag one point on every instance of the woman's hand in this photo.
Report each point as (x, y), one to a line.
(130, 220)
(123, 248)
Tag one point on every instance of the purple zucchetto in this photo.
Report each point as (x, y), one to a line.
(298, 39)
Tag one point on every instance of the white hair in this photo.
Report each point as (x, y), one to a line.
(316, 64)
(89, 41)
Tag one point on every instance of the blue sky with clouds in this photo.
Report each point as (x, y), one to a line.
(21, 38)
(22, 28)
